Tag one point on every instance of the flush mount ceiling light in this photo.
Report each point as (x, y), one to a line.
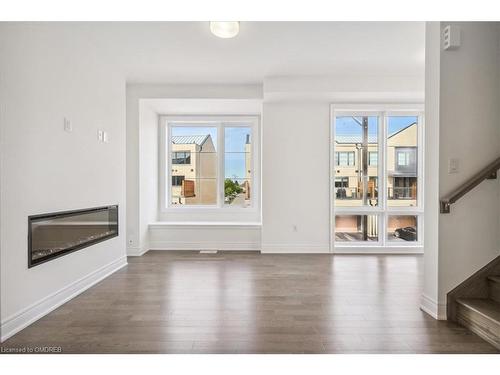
(226, 29)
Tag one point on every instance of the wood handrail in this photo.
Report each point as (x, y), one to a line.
(488, 172)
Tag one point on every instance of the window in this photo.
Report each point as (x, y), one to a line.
(237, 166)
(354, 138)
(210, 162)
(177, 180)
(181, 157)
(402, 161)
(199, 176)
(403, 158)
(350, 228)
(402, 228)
(341, 182)
(386, 147)
(344, 159)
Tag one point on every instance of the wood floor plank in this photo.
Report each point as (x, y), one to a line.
(243, 302)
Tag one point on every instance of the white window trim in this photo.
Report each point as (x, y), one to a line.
(383, 111)
(218, 121)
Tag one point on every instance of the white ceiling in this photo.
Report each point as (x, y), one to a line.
(186, 52)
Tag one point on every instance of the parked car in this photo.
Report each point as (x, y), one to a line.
(406, 233)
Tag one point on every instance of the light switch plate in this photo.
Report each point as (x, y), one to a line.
(67, 125)
(453, 165)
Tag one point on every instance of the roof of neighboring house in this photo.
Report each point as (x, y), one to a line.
(189, 139)
(354, 138)
(372, 138)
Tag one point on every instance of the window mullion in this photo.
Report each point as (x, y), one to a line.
(221, 134)
(382, 170)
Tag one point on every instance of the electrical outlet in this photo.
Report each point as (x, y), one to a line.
(294, 228)
(100, 135)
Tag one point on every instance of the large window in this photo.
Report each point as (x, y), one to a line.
(210, 162)
(376, 198)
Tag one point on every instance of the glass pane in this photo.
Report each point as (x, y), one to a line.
(402, 161)
(237, 192)
(349, 228)
(402, 228)
(356, 156)
(194, 165)
(237, 166)
(201, 191)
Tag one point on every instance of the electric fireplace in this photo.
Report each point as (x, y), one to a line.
(56, 234)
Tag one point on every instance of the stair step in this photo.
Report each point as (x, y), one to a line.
(494, 288)
(481, 316)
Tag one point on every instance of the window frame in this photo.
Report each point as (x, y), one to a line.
(220, 122)
(382, 210)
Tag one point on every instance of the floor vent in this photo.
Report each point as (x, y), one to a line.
(208, 251)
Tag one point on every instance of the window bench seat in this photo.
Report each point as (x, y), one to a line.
(204, 235)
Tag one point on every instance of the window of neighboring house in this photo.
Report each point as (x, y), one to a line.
(181, 157)
(341, 182)
(377, 204)
(403, 158)
(177, 180)
(210, 162)
(344, 159)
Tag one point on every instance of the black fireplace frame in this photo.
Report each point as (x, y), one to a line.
(53, 215)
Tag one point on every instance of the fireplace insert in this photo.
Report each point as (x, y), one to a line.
(56, 234)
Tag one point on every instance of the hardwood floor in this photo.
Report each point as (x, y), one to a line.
(185, 302)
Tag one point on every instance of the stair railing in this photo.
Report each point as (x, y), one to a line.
(489, 172)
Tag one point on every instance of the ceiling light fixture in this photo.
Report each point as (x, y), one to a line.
(227, 29)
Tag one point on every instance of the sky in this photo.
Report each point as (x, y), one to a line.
(347, 126)
(234, 145)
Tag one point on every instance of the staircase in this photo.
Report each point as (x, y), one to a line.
(482, 315)
(475, 304)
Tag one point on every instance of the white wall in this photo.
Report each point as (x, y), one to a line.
(48, 72)
(431, 196)
(469, 236)
(295, 177)
(148, 172)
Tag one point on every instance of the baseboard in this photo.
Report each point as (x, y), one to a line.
(434, 309)
(136, 251)
(20, 320)
(204, 245)
(295, 249)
